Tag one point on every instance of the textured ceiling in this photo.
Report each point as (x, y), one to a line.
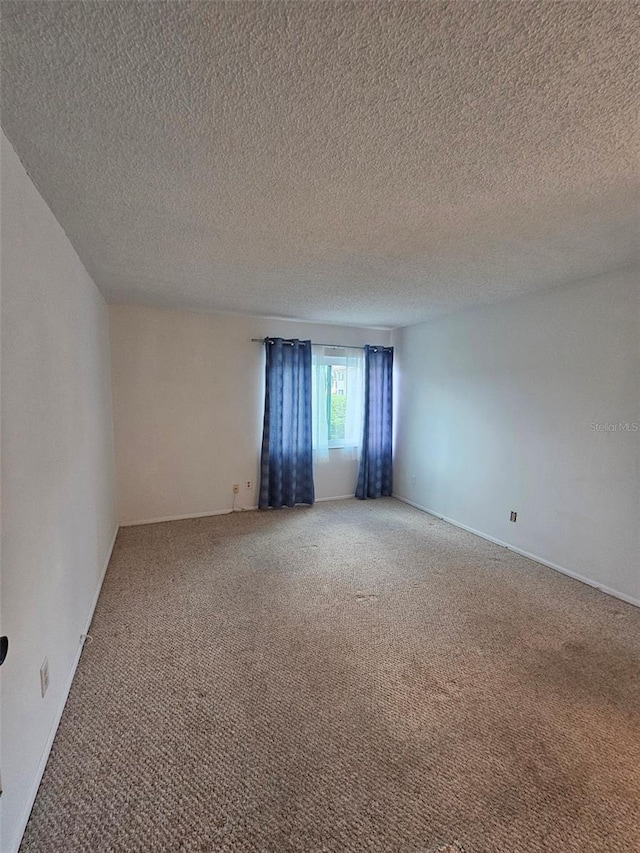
(369, 163)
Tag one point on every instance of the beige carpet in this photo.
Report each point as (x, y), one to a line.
(348, 678)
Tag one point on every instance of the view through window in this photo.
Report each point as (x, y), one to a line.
(337, 397)
(336, 374)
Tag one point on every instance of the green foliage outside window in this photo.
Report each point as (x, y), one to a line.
(338, 411)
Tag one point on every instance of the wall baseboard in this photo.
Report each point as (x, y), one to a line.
(22, 823)
(336, 498)
(601, 587)
(179, 517)
(214, 512)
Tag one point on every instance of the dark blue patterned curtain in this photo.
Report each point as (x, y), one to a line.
(286, 471)
(375, 475)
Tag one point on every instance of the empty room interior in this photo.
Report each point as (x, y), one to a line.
(320, 424)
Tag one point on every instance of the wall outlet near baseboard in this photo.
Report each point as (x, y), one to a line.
(236, 488)
(248, 484)
(44, 677)
(413, 479)
(514, 516)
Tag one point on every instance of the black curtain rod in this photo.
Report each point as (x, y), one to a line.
(374, 347)
(332, 346)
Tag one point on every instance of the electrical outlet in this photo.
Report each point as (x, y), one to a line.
(514, 516)
(236, 488)
(413, 479)
(248, 484)
(44, 677)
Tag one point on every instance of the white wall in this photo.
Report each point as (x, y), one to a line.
(188, 394)
(495, 407)
(58, 515)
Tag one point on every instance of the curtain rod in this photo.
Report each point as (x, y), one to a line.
(331, 346)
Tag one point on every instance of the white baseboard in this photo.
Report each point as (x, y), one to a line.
(215, 512)
(606, 589)
(181, 517)
(22, 823)
(336, 498)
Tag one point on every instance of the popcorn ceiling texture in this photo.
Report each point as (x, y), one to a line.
(366, 163)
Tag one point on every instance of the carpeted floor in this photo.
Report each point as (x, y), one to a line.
(356, 677)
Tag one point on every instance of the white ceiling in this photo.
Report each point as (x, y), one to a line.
(372, 163)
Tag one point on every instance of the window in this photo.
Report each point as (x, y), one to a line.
(337, 401)
(338, 404)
